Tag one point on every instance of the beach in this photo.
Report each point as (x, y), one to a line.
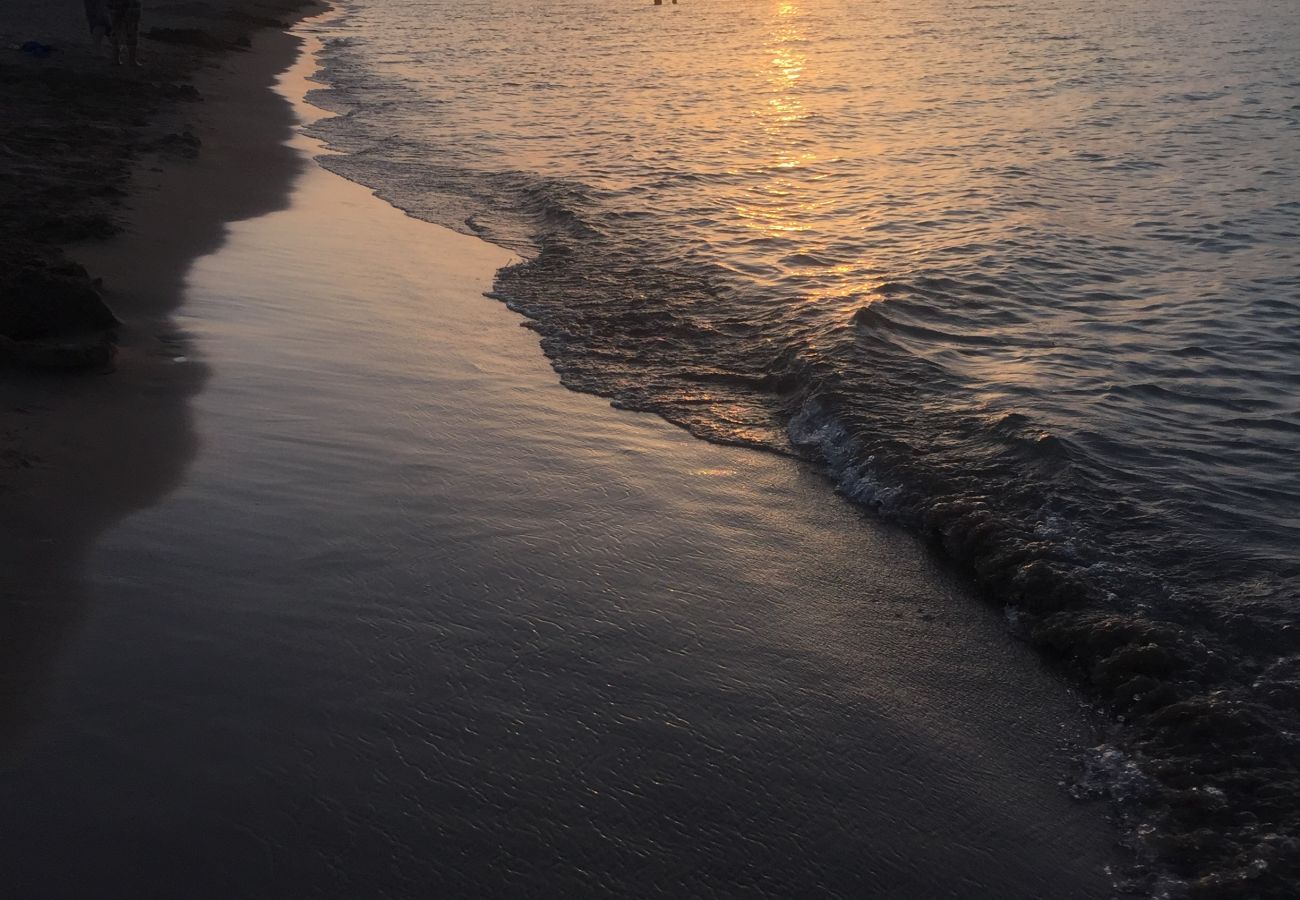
(329, 588)
(93, 420)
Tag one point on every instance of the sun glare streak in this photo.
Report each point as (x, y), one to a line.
(792, 201)
(781, 111)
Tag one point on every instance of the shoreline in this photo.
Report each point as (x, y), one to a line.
(488, 596)
(80, 450)
(1160, 677)
(80, 458)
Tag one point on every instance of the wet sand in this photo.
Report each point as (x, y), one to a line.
(84, 448)
(403, 616)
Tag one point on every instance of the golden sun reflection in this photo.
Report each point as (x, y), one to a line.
(787, 62)
(769, 221)
(790, 200)
(780, 211)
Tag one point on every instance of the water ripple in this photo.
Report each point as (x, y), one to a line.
(1020, 276)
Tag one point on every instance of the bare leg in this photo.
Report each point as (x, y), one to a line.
(133, 33)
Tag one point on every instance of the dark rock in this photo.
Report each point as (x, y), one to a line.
(40, 302)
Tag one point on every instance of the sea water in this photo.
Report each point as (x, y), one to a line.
(1023, 276)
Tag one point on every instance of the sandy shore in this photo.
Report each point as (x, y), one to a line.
(416, 615)
(171, 152)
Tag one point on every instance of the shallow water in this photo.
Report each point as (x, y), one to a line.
(420, 622)
(1024, 276)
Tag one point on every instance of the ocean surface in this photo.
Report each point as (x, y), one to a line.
(1023, 277)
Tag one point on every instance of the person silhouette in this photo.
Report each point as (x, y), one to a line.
(125, 29)
(100, 21)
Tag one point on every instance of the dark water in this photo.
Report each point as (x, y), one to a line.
(1023, 276)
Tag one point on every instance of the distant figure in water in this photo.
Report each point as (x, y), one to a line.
(125, 29)
(100, 21)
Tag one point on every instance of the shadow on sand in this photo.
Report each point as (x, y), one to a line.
(91, 449)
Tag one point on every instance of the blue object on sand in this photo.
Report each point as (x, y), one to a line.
(37, 49)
